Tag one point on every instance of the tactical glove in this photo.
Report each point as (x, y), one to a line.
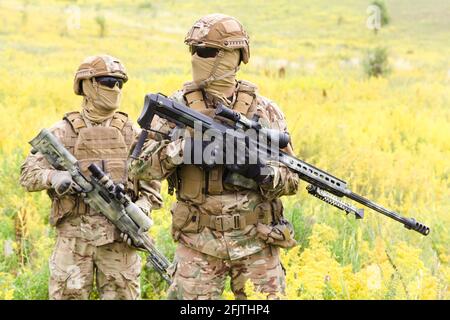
(146, 207)
(259, 172)
(200, 152)
(126, 238)
(62, 183)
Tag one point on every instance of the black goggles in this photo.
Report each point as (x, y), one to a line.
(110, 82)
(204, 52)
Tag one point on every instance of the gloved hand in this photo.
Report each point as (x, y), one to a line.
(63, 184)
(201, 153)
(146, 207)
(126, 238)
(259, 172)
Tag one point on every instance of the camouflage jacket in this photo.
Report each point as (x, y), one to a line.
(93, 227)
(159, 161)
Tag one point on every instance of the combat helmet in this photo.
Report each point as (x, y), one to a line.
(219, 31)
(97, 66)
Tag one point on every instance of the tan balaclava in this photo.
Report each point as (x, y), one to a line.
(218, 74)
(100, 102)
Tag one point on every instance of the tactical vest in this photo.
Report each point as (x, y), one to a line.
(107, 146)
(193, 183)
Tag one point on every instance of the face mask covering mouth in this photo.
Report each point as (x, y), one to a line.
(218, 74)
(100, 102)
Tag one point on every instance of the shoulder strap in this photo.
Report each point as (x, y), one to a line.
(247, 86)
(245, 96)
(76, 120)
(194, 97)
(119, 120)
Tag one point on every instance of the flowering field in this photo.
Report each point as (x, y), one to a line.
(388, 137)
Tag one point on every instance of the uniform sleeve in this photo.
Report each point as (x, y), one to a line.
(150, 191)
(160, 156)
(149, 194)
(285, 182)
(35, 171)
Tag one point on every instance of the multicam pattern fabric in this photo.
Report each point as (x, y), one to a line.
(199, 276)
(75, 261)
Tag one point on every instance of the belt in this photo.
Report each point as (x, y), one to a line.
(231, 222)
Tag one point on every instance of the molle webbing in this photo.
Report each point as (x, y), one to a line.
(226, 223)
(77, 121)
(119, 120)
(195, 100)
(105, 146)
(243, 103)
(215, 185)
(246, 99)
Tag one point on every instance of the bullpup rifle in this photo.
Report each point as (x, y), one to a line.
(104, 196)
(322, 185)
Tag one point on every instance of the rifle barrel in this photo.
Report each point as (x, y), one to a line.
(409, 223)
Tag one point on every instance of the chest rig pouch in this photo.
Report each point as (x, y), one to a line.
(193, 183)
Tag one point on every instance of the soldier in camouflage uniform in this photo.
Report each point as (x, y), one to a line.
(226, 223)
(87, 244)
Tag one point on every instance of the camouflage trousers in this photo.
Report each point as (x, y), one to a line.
(74, 263)
(198, 276)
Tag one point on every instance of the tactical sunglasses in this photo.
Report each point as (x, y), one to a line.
(204, 52)
(110, 82)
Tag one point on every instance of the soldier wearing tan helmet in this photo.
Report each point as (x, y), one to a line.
(88, 246)
(225, 223)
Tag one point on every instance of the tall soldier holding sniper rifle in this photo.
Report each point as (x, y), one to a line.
(228, 218)
(205, 234)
